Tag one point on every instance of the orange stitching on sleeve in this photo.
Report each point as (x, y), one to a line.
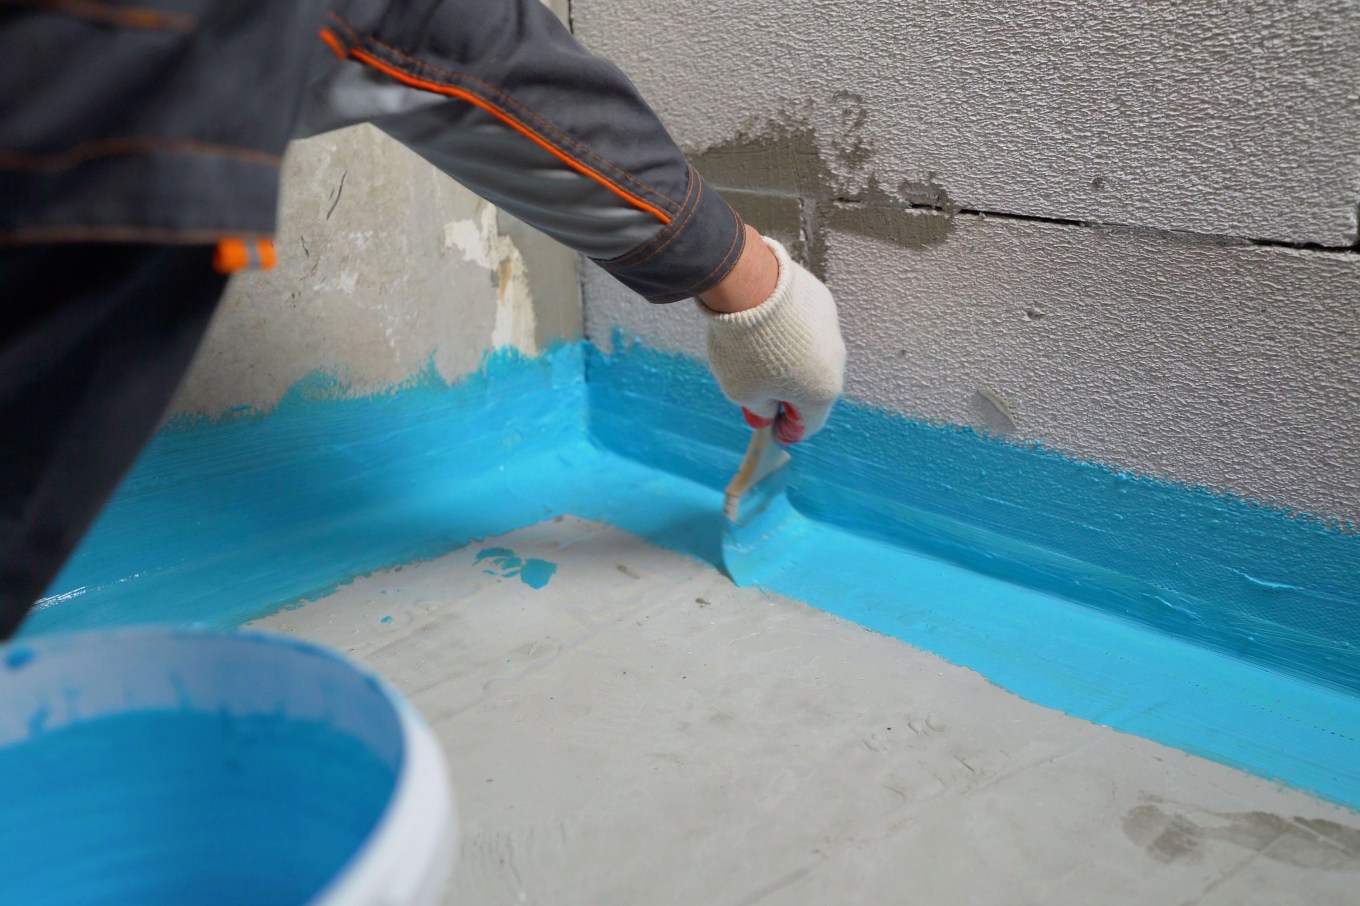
(545, 124)
(623, 175)
(333, 43)
(73, 157)
(674, 232)
(628, 259)
(344, 26)
(503, 116)
(109, 14)
(707, 282)
(738, 241)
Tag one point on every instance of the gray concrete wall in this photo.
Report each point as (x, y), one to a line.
(1217, 117)
(1125, 231)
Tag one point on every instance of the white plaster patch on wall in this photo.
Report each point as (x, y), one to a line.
(469, 238)
(481, 242)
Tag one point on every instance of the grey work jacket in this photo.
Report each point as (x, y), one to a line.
(166, 123)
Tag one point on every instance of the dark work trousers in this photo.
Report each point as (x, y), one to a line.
(94, 339)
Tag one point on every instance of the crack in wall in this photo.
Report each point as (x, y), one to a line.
(1225, 240)
(782, 158)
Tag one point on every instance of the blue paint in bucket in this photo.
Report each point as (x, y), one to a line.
(158, 766)
(182, 806)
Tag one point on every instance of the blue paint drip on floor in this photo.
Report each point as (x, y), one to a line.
(537, 573)
(1049, 576)
(532, 571)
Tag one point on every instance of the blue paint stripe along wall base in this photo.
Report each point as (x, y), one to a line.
(1210, 623)
(1254, 581)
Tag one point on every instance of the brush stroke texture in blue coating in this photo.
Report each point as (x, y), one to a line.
(222, 521)
(1277, 588)
(159, 807)
(1216, 625)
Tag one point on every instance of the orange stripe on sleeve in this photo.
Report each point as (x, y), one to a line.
(333, 43)
(235, 255)
(268, 254)
(476, 101)
(231, 256)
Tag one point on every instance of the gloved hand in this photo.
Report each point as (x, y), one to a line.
(783, 360)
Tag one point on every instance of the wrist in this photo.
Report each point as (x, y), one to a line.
(751, 281)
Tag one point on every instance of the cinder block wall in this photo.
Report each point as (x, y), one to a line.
(1127, 231)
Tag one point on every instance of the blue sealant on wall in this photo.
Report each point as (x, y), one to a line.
(1258, 582)
(224, 520)
(1209, 623)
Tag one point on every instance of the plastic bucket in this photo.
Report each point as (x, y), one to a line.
(158, 766)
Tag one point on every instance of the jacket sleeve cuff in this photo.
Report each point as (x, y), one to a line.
(693, 253)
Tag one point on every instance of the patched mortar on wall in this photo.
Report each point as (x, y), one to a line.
(1165, 115)
(385, 266)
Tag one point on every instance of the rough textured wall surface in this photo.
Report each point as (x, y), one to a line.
(916, 156)
(1216, 117)
(385, 265)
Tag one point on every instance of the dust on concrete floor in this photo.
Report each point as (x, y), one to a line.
(639, 731)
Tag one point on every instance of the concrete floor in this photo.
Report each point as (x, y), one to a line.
(640, 731)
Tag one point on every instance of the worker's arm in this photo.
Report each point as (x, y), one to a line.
(499, 95)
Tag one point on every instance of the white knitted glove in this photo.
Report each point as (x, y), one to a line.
(786, 352)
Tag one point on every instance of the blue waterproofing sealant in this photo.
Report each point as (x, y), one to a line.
(1012, 568)
(184, 807)
(223, 521)
(1247, 579)
(531, 571)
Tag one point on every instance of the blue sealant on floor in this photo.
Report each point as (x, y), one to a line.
(532, 571)
(160, 807)
(1213, 624)
(225, 520)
